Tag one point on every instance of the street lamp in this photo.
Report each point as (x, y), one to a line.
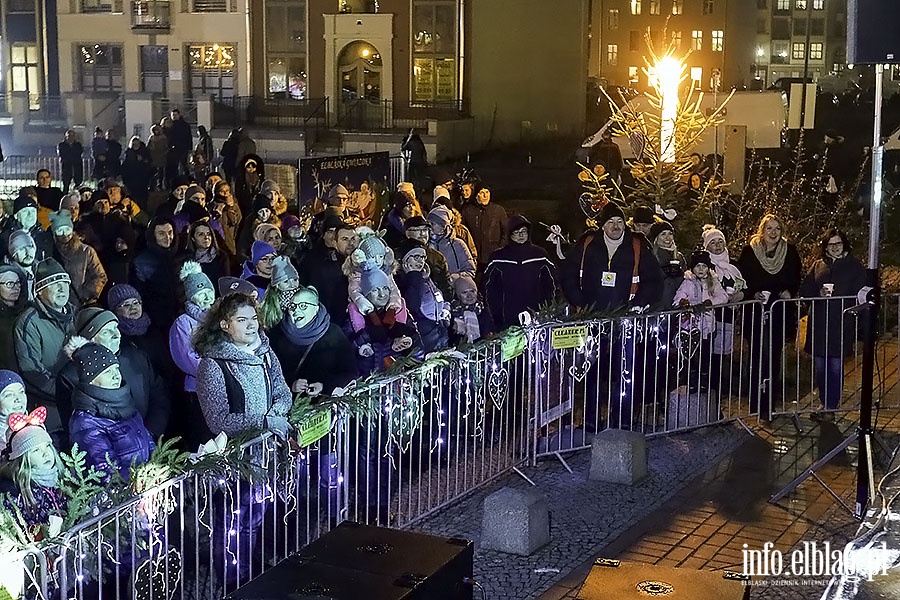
(668, 76)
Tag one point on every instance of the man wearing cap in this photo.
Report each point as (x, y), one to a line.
(25, 218)
(39, 335)
(418, 229)
(248, 180)
(149, 392)
(180, 139)
(321, 267)
(79, 260)
(642, 220)
(22, 253)
(608, 270)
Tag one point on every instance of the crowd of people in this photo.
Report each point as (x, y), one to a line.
(208, 314)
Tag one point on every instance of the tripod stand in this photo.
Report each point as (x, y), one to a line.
(863, 436)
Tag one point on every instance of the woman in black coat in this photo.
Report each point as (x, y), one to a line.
(830, 333)
(772, 269)
(315, 355)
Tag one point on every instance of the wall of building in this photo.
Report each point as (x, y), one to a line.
(527, 68)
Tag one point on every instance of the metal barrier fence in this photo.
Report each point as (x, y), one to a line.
(437, 432)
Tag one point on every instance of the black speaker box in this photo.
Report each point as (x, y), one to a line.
(871, 37)
(614, 580)
(355, 561)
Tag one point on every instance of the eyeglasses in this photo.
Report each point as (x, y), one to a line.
(11, 285)
(301, 305)
(268, 258)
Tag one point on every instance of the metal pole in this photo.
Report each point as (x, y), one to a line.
(805, 65)
(864, 483)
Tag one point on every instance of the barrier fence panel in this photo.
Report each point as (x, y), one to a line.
(656, 373)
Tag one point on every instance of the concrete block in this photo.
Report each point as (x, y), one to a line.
(618, 457)
(515, 521)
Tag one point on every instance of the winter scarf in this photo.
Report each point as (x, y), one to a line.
(468, 326)
(115, 405)
(206, 256)
(729, 275)
(310, 333)
(774, 263)
(194, 311)
(134, 327)
(612, 245)
(45, 477)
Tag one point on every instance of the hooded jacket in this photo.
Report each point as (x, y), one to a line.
(183, 353)
(244, 190)
(321, 268)
(8, 317)
(239, 391)
(154, 276)
(459, 259)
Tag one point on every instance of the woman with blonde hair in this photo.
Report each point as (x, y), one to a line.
(771, 267)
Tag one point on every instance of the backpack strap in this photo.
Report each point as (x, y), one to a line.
(234, 393)
(587, 242)
(635, 278)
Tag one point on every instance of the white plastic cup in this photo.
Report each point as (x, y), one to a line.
(765, 297)
(829, 289)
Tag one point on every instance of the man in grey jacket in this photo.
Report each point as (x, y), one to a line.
(39, 335)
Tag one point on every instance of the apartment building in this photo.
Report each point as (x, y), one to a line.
(28, 48)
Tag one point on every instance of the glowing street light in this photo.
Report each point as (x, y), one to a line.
(668, 72)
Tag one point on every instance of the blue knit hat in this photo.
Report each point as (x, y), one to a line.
(259, 250)
(119, 293)
(7, 378)
(372, 279)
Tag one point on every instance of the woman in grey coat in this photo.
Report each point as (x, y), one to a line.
(240, 385)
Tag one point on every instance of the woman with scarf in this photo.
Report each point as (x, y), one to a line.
(671, 261)
(423, 299)
(315, 355)
(830, 333)
(721, 373)
(470, 318)
(202, 246)
(772, 269)
(200, 294)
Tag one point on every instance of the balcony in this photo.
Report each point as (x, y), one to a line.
(150, 15)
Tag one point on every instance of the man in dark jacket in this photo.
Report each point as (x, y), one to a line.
(519, 277)
(153, 274)
(180, 140)
(149, 392)
(70, 152)
(25, 217)
(487, 223)
(321, 267)
(608, 270)
(48, 195)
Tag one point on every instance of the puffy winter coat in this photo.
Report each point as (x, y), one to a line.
(330, 361)
(106, 425)
(487, 223)
(379, 329)
(426, 304)
(83, 266)
(239, 391)
(696, 292)
(519, 277)
(180, 345)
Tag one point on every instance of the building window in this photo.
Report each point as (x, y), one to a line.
(632, 74)
(677, 7)
(612, 54)
(286, 48)
(612, 19)
(779, 50)
(676, 38)
(782, 4)
(655, 7)
(718, 40)
(210, 6)
(798, 51)
(435, 61)
(154, 68)
(696, 77)
(99, 67)
(20, 6)
(634, 40)
(635, 7)
(24, 73)
(816, 50)
(696, 40)
(800, 4)
(818, 4)
(709, 6)
(212, 70)
(101, 6)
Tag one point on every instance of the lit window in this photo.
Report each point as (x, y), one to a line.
(676, 38)
(718, 40)
(612, 54)
(696, 76)
(212, 70)
(435, 52)
(696, 40)
(632, 74)
(816, 50)
(635, 7)
(708, 6)
(818, 4)
(655, 6)
(24, 75)
(800, 4)
(677, 7)
(612, 20)
(100, 67)
(783, 5)
(798, 50)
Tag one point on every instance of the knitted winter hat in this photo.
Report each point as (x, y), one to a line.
(701, 257)
(98, 195)
(415, 221)
(405, 246)
(119, 293)
(60, 218)
(269, 186)
(260, 202)
(47, 273)
(710, 233)
(658, 228)
(232, 285)
(441, 192)
(440, 215)
(517, 222)
(70, 200)
(288, 221)
(24, 202)
(463, 283)
(372, 279)
(194, 189)
(282, 270)
(609, 211)
(7, 378)
(89, 321)
(643, 214)
(258, 250)
(335, 191)
(22, 441)
(194, 279)
(90, 358)
(262, 230)
(405, 186)
(372, 245)
(19, 239)
(414, 250)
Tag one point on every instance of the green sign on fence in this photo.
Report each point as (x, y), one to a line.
(315, 427)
